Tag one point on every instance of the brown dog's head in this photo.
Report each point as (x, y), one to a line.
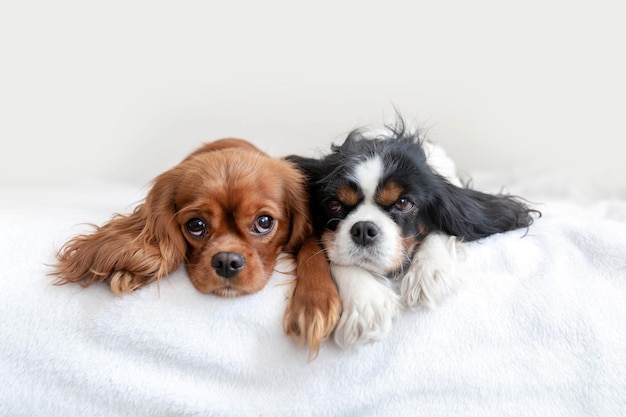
(227, 211)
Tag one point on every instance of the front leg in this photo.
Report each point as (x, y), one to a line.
(314, 306)
(431, 275)
(369, 306)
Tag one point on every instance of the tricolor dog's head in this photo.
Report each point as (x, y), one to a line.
(374, 199)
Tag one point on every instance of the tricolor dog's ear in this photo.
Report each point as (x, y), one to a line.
(471, 214)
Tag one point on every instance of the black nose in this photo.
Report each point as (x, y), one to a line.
(364, 233)
(228, 264)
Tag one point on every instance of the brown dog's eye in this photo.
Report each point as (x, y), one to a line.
(197, 227)
(262, 225)
(404, 204)
(334, 206)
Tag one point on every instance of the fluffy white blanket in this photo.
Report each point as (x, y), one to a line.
(536, 329)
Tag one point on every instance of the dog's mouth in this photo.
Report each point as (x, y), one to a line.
(371, 259)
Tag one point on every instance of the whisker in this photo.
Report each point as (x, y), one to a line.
(323, 250)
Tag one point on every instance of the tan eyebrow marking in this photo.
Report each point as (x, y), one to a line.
(389, 194)
(348, 195)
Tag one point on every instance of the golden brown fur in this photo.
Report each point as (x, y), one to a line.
(314, 306)
(229, 184)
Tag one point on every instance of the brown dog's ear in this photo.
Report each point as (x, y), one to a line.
(221, 144)
(297, 201)
(129, 251)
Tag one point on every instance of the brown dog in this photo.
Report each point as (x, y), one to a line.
(226, 211)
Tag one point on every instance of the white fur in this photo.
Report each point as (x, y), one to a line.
(370, 302)
(441, 163)
(432, 274)
(367, 174)
(369, 306)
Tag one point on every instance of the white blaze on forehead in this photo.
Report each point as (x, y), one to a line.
(368, 175)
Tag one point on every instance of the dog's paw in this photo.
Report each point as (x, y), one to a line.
(312, 315)
(369, 306)
(432, 274)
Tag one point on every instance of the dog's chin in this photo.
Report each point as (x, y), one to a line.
(221, 288)
(228, 291)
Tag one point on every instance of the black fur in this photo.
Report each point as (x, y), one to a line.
(441, 206)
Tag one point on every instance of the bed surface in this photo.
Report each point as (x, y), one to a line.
(536, 329)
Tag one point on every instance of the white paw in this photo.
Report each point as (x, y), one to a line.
(369, 306)
(432, 274)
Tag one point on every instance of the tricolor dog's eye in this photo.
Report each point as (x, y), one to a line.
(334, 206)
(262, 225)
(403, 204)
(197, 227)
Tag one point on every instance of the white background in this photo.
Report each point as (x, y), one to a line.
(124, 90)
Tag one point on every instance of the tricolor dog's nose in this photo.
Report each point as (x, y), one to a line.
(364, 233)
(228, 264)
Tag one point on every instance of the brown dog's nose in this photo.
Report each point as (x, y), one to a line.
(228, 264)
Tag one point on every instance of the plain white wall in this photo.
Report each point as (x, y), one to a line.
(122, 90)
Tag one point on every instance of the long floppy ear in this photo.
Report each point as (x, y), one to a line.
(472, 214)
(312, 171)
(297, 202)
(130, 251)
